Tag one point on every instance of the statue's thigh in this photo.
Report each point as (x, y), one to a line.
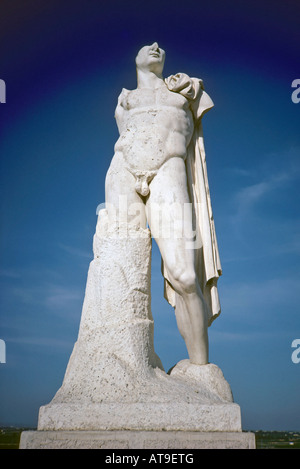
(169, 215)
(121, 198)
(168, 201)
(170, 183)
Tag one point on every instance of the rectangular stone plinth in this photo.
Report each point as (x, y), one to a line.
(136, 440)
(176, 416)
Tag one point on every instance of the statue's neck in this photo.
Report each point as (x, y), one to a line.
(147, 79)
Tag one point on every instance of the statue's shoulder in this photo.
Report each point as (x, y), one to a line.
(193, 90)
(185, 85)
(123, 96)
(125, 91)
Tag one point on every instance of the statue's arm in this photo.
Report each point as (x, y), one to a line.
(121, 112)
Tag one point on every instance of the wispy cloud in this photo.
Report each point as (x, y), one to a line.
(236, 171)
(40, 341)
(35, 311)
(42, 302)
(258, 301)
(248, 196)
(60, 296)
(47, 295)
(291, 245)
(276, 171)
(261, 218)
(9, 273)
(76, 251)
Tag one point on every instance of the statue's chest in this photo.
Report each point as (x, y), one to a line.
(154, 98)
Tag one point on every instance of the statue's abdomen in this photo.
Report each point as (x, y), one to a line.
(152, 136)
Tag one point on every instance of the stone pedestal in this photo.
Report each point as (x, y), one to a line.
(115, 440)
(115, 382)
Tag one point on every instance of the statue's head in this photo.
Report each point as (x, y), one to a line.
(151, 58)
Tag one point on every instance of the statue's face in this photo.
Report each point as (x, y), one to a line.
(151, 58)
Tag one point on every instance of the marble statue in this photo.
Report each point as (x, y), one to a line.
(115, 392)
(159, 166)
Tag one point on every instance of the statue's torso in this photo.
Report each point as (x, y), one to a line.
(157, 124)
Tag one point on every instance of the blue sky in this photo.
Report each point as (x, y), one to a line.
(64, 64)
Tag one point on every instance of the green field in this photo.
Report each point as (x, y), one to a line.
(10, 438)
(277, 440)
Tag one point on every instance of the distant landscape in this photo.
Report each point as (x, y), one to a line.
(277, 440)
(10, 438)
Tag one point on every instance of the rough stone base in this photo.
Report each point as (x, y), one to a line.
(115, 393)
(177, 416)
(136, 440)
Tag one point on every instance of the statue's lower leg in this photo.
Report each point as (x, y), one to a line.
(192, 323)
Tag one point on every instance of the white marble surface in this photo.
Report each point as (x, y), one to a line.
(159, 168)
(139, 440)
(114, 379)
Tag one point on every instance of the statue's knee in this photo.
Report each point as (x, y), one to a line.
(185, 281)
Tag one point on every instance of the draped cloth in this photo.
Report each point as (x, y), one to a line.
(207, 259)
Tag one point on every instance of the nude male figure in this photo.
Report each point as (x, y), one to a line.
(156, 126)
